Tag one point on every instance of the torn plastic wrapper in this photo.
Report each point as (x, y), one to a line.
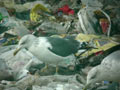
(19, 63)
(101, 43)
(89, 24)
(36, 11)
(5, 71)
(3, 16)
(54, 28)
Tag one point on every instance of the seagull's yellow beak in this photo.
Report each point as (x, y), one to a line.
(16, 51)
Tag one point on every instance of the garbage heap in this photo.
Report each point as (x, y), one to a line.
(95, 22)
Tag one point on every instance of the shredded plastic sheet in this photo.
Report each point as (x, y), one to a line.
(19, 62)
(89, 24)
(102, 43)
(35, 12)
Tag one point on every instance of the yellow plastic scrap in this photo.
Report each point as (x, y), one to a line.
(96, 41)
(85, 37)
(34, 16)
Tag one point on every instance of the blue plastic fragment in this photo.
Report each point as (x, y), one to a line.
(3, 40)
(106, 82)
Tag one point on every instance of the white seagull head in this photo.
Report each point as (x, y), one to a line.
(93, 77)
(24, 42)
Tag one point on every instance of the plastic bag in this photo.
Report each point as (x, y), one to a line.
(89, 24)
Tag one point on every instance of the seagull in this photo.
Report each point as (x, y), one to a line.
(108, 70)
(51, 50)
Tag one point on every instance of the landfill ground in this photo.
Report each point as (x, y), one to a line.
(59, 44)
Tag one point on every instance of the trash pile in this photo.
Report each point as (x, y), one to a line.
(93, 23)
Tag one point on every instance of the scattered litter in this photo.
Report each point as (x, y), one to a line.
(93, 23)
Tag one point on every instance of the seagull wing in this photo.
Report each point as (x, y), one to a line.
(63, 47)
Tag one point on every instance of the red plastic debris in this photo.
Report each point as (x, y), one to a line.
(66, 10)
(98, 53)
(104, 24)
